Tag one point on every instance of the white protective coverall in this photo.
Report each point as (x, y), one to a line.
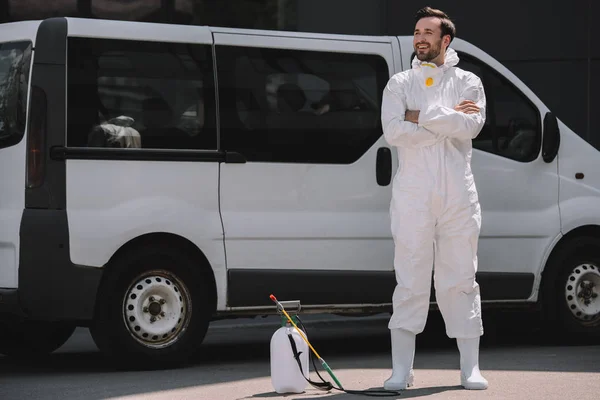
(435, 212)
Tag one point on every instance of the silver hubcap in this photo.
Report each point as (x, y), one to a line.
(157, 309)
(582, 290)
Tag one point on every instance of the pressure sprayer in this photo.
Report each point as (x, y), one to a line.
(284, 377)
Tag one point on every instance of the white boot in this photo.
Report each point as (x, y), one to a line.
(403, 354)
(470, 376)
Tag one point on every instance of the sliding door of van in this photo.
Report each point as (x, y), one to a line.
(518, 190)
(142, 157)
(306, 215)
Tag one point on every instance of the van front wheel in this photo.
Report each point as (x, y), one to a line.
(573, 289)
(153, 309)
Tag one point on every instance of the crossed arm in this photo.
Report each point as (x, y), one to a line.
(466, 106)
(397, 129)
(414, 128)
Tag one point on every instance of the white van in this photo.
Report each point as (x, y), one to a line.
(157, 177)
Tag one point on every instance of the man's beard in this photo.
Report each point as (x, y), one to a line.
(434, 51)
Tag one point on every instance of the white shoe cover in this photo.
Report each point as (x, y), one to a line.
(403, 353)
(470, 375)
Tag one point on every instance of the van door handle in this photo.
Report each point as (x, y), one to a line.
(383, 167)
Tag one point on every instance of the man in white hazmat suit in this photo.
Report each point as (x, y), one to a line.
(431, 113)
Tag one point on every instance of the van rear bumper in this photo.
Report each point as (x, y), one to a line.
(51, 287)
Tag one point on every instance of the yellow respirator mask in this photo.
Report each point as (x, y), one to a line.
(430, 74)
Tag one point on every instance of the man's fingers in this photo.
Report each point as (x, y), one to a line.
(467, 109)
(465, 103)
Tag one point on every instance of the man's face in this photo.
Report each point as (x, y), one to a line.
(427, 40)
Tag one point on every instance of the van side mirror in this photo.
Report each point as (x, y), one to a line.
(551, 141)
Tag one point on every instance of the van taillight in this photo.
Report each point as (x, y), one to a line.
(36, 139)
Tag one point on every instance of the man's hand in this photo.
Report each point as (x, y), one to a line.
(467, 107)
(412, 116)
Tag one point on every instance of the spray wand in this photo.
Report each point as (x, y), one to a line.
(323, 363)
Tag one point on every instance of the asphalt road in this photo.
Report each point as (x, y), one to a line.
(518, 360)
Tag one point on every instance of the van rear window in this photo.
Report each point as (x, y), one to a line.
(15, 62)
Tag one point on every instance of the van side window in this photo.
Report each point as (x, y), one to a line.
(15, 63)
(513, 127)
(296, 106)
(132, 94)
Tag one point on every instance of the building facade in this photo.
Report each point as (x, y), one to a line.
(552, 45)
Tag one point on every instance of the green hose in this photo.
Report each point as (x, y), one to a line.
(330, 372)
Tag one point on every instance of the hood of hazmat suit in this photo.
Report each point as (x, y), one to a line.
(434, 210)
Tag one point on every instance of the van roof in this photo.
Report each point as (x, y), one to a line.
(28, 29)
(93, 23)
(316, 35)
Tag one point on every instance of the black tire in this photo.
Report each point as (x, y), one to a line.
(566, 313)
(163, 273)
(32, 339)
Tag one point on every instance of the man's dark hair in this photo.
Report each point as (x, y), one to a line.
(447, 25)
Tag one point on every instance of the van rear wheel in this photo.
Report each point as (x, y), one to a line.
(572, 291)
(153, 309)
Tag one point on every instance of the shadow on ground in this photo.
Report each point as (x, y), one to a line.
(234, 355)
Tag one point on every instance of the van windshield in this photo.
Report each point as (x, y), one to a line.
(15, 60)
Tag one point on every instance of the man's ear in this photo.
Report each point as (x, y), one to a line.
(446, 40)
